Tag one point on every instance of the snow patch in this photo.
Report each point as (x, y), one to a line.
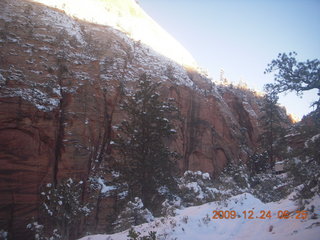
(104, 188)
(196, 223)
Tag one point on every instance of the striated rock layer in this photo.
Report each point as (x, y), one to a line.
(61, 81)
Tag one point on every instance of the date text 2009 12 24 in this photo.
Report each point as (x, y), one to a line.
(281, 214)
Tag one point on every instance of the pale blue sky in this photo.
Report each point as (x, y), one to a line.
(243, 36)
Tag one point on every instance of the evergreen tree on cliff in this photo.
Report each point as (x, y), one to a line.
(272, 136)
(145, 162)
(291, 75)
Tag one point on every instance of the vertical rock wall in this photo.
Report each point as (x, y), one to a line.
(59, 98)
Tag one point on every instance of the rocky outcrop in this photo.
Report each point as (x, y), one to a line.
(61, 81)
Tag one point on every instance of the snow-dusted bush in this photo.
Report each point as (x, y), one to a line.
(3, 234)
(39, 233)
(270, 187)
(61, 208)
(237, 178)
(38, 230)
(133, 214)
(167, 209)
(134, 235)
(63, 202)
(304, 168)
(196, 188)
(306, 174)
(233, 180)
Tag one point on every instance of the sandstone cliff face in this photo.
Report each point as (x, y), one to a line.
(61, 82)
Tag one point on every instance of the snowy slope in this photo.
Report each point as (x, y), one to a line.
(48, 23)
(196, 223)
(128, 17)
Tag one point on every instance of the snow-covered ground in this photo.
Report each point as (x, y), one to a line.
(196, 223)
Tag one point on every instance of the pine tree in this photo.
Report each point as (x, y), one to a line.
(145, 162)
(291, 75)
(272, 136)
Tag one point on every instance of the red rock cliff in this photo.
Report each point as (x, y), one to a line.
(60, 84)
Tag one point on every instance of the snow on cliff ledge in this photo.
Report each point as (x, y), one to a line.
(128, 17)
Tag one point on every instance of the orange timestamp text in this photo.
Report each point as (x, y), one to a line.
(281, 214)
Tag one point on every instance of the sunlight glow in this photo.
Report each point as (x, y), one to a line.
(128, 17)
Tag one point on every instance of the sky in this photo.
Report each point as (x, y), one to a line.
(243, 36)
